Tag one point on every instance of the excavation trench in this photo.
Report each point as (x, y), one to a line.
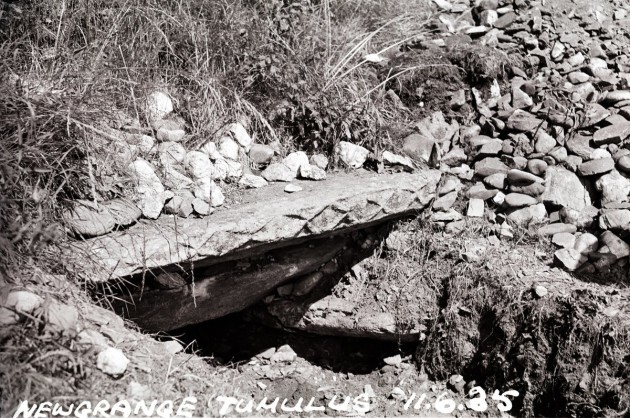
(453, 318)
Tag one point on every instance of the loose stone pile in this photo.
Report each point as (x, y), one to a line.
(551, 149)
(167, 178)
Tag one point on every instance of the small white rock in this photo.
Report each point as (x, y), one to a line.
(112, 361)
(278, 172)
(395, 159)
(158, 105)
(398, 393)
(23, 301)
(540, 291)
(319, 160)
(164, 135)
(198, 165)
(172, 347)
(228, 148)
(241, 136)
(201, 207)
(292, 188)
(210, 149)
(312, 172)
(295, 161)
(352, 155)
(475, 208)
(61, 317)
(149, 188)
(252, 181)
(92, 337)
(393, 360)
(284, 354)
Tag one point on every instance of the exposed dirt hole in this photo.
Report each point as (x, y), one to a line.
(231, 339)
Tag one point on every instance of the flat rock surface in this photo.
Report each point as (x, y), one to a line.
(265, 218)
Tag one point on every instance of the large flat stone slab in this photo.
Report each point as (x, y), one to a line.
(267, 218)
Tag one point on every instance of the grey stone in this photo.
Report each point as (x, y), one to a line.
(615, 220)
(595, 167)
(278, 172)
(124, 211)
(180, 205)
(490, 166)
(174, 135)
(530, 214)
(578, 77)
(616, 245)
(436, 127)
(450, 184)
(174, 179)
(613, 134)
(112, 361)
(613, 187)
(86, 219)
(455, 157)
(497, 181)
(569, 259)
(295, 161)
(319, 160)
(586, 243)
(582, 218)
(228, 148)
(390, 158)
(340, 202)
(518, 200)
(171, 153)
(544, 142)
(490, 149)
(261, 154)
(534, 189)
(522, 121)
(557, 228)
(61, 317)
(201, 207)
(449, 216)
(419, 147)
(241, 136)
(149, 188)
(559, 154)
(520, 99)
(614, 96)
(252, 181)
(480, 191)
(158, 105)
(594, 114)
(23, 301)
(444, 203)
(515, 176)
(564, 189)
(564, 240)
(537, 167)
(623, 164)
(198, 165)
(312, 172)
(579, 145)
(572, 162)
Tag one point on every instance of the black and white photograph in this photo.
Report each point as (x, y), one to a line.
(314, 208)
